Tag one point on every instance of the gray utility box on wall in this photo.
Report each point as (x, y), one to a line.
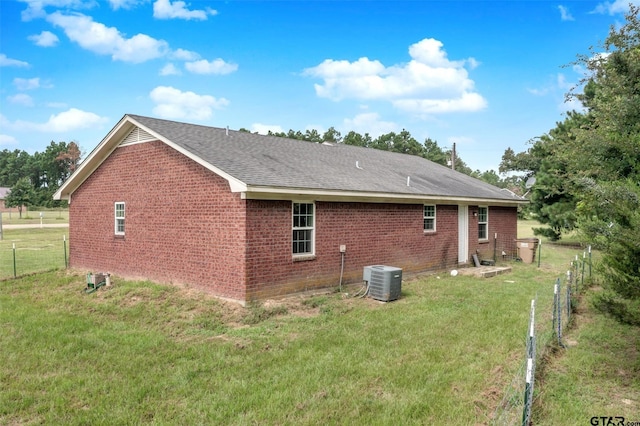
(385, 282)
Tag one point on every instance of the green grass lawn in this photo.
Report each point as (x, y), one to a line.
(139, 352)
(35, 250)
(525, 230)
(143, 353)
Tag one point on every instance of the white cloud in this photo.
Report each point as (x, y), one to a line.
(263, 129)
(26, 83)
(472, 63)
(103, 40)
(124, 4)
(369, 122)
(217, 66)
(565, 15)
(615, 7)
(8, 62)
(72, 119)
(572, 104)
(36, 8)
(429, 83)
(7, 140)
(175, 104)
(66, 121)
(166, 9)
(44, 39)
(170, 69)
(562, 82)
(467, 102)
(539, 92)
(21, 99)
(558, 85)
(429, 51)
(184, 55)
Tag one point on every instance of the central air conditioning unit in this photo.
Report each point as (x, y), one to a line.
(384, 282)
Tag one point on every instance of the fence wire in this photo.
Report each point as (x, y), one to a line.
(519, 396)
(543, 335)
(26, 257)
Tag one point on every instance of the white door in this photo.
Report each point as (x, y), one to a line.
(463, 233)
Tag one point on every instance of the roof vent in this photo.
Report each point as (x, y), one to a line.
(137, 135)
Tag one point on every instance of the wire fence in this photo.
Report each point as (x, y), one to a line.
(24, 256)
(544, 335)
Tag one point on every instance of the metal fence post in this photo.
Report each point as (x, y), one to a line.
(530, 374)
(584, 256)
(64, 244)
(576, 269)
(554, 311)
(568, 301)
(557, 305)
(14, 260)
(589, 261)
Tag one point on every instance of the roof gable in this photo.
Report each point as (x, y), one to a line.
(258, 164)
(137, 135)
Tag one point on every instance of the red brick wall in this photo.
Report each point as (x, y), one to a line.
(182, 223)
(389, 234)
(503, 224)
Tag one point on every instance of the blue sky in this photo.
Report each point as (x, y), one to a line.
(486, 75)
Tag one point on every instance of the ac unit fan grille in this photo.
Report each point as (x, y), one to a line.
(385, 282)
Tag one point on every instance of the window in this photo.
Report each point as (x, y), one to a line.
(483, 223)
(303, 228)
(119, 218)
(430, 218)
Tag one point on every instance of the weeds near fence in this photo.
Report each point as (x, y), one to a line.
(25, 251)
(543, 338)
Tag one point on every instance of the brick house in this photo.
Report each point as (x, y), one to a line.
(4, 192)
(3, 196)
(247, 216)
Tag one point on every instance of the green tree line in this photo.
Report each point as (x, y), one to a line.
(587, 168)
(33, 178)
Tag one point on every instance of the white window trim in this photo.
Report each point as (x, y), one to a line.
(487, 223)
(116, 217)
(311, 228)
(430, 217)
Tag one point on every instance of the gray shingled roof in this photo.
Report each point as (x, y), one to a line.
(270, 161)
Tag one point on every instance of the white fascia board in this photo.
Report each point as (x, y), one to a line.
(111, 141)
(235, 184)
(270, 193)
(100, 153)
